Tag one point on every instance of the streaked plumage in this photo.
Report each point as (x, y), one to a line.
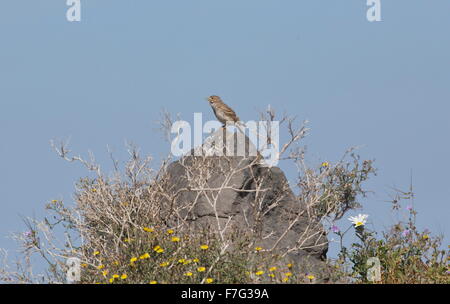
(223, 112)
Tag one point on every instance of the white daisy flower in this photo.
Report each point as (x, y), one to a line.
(359, 220)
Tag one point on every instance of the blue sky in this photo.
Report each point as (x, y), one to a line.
(103, 81)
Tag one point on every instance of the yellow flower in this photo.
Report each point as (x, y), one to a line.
(116, 263)
(187, 262)
(188, 274)
(209, 280)
(164, 264)
(272, 268)
(133, 259)
(124, 277)
(54, 201)
(175, 239)
(181, 261)
(153, 282)
(271, 275)
(285, 279)
(288, 274)
(144, 256)
(201, 269)
(147, 229)
(158, 249)
(195, 260)
(204, 247)
(258, 273)
(128, 240)
(100, 267)
(325, 164)
(84, 265)
(111, 280)
(425, 236)
(116, 276)
(170, 231)
(94, 190)
(96, 253)
(258, 248)
(289, 265)
(105, 273)
(310, 277)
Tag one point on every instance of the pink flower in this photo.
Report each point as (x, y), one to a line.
(335, 229)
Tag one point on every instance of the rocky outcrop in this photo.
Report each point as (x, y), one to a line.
(240, 192)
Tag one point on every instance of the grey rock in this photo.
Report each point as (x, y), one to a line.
(274, 214)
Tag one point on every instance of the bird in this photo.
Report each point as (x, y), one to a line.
(223, 112)
(226, 114)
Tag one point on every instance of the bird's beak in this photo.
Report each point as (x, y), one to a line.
(207, 99)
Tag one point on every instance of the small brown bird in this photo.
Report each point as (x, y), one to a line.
(223, 112)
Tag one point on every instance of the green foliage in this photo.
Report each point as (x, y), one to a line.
(406, 255)
(342, 185)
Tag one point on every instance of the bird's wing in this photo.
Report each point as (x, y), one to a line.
(229, 112)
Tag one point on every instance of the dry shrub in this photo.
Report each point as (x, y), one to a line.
(127, 228)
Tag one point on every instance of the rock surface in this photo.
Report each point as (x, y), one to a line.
(238, 192)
